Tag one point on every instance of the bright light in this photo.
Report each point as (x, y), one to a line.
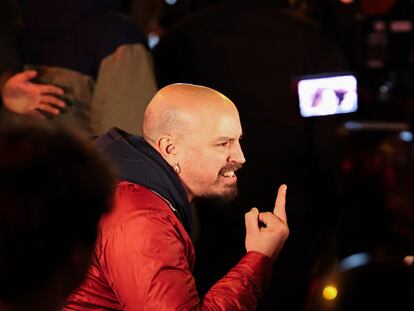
(355, 260)
(320, 96)
(406, 136)
(330, 292)
(171, 2)
(153, 40)
(347, 1)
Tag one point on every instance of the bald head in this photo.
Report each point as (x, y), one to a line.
(177, 108)
(197, 131)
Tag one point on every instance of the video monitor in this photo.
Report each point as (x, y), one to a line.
(327, 95)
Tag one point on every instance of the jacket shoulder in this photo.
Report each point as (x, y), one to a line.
(132, 200)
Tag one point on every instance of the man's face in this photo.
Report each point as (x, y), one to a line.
(211, 154)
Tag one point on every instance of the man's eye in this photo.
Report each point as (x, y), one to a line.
(224, 144)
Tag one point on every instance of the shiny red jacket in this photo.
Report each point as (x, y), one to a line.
(144, 260)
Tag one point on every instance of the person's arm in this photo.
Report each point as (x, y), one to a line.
(266, 234)
(147, 262)
(242, 286)
(20, 95)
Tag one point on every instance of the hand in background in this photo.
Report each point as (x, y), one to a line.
(22, 96)
(266, 233)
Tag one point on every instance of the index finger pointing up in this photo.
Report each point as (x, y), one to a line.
(280, 203)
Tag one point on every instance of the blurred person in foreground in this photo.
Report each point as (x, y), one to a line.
(53, 190)
(144, 255)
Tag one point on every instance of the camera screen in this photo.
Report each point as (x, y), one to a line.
(321, 96)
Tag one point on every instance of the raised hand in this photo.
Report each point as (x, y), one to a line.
(266, 233)
(20, 95)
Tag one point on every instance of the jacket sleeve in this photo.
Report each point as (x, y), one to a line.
(242, 285)
(125, 85)
(147, 260)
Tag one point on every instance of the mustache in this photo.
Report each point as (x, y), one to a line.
(230, 167)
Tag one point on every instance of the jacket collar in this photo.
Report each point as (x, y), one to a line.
(138, 162)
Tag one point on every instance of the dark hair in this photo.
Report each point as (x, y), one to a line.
(54, 187)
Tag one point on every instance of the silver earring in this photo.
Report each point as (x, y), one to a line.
(177, 168)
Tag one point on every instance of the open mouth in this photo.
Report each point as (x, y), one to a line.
(230, 171)
(228, 174)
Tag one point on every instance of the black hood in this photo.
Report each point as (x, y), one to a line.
(49, 17)
(138, 162)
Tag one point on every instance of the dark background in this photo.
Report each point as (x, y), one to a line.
(350, 190)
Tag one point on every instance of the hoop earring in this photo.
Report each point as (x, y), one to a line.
(177, 168)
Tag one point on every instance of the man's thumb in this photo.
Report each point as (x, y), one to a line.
(252, 220)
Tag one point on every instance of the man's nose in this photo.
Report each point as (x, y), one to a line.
(236, 154)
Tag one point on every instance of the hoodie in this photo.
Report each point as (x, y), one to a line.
(138, 162)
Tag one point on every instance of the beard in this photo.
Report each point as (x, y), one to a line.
(229, 193)
(226, 195)
(223, 198)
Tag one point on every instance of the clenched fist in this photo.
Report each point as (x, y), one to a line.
(266, 233)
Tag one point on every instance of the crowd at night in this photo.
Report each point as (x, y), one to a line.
(206, 155)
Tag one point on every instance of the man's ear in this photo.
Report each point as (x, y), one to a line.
(168, 149)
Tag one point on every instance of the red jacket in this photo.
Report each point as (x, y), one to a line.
(144, 260)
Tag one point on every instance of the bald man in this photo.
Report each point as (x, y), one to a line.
(144, 256)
